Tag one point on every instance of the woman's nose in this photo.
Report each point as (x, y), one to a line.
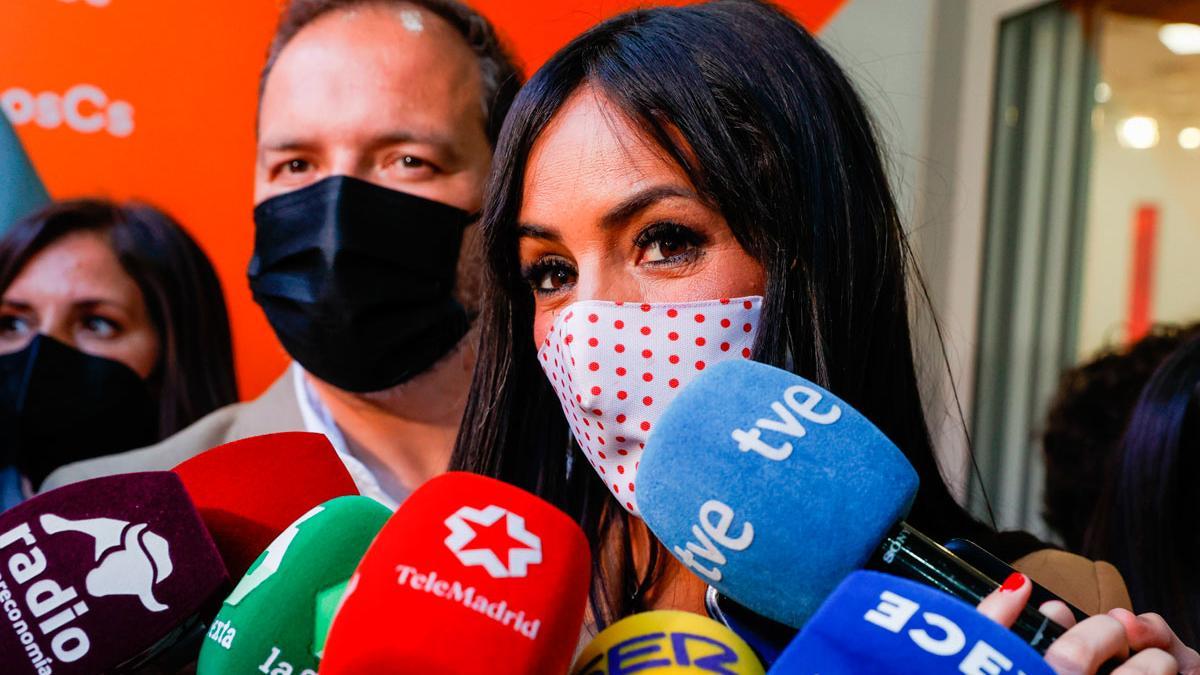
(600, 281)
(58, 328)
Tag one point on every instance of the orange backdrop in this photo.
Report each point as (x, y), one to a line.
(155, 99)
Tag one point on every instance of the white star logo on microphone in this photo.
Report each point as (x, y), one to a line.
(520, 557)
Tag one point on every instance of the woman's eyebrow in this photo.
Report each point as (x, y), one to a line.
(642, 200)
(628, 208)
(17, 304)
(537, 232)
(92, 303)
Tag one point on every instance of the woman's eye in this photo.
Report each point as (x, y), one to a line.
(413, 162)
(100, 327)
(550, 276)
(667, 242)
(14, 325)
(665, 249)
(555, 279)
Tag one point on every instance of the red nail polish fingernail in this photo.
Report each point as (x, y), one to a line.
(1013, 582)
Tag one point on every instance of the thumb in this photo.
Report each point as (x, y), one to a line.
(1004, 604)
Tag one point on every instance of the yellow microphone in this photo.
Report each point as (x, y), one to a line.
(667, 641)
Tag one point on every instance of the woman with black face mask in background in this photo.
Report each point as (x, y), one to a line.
(113, 334)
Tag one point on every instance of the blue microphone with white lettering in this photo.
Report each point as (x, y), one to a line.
(773, 490)
(878, 623)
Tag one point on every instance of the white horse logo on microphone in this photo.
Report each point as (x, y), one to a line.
(130, 558)
(519, 558)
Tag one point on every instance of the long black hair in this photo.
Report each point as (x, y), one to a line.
(1143, 524)
(773, 134)
(1083, 428)
(194, 374)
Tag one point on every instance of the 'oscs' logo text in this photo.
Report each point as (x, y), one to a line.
(84, 108)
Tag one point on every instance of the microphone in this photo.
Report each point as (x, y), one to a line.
(666, 641)
(250, 490)
(819, 492)
(102, 574)
(470, 575)
(878, 623)
(994, 568)
(277, 617)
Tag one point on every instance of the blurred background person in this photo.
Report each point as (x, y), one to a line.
(1145, 522)
(375, 130)
(113, 334)
(1086, 420)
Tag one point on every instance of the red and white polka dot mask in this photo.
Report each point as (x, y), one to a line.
(617, 366)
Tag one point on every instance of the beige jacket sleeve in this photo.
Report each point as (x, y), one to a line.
(1094, 587)
(275, 410)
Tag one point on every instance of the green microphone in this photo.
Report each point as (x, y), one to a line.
(277, 617)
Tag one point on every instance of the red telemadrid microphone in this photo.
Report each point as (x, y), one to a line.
(99, 575)
(470, 575)
(250, 490)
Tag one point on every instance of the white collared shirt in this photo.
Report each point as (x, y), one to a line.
(317, 419)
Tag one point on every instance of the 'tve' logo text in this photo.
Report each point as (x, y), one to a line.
(84, 108)
(710, 533)
(787, 424)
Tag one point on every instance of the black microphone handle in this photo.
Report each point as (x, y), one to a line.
(907, 553)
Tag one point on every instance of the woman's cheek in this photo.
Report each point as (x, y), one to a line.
(543, 321)
(138, 350)
(729, 272)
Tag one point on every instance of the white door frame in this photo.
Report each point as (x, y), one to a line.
(959, 311)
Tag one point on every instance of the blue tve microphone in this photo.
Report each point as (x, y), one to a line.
(772, 490)
(878, 623)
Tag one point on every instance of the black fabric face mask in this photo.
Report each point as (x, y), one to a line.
(357, 280)
(59, 405)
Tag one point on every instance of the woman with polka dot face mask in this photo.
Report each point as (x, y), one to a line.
(616, 366)
(677, 187)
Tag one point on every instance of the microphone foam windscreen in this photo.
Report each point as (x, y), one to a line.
(470, 575)
(95, 573)
(667, 641)
(877, 623)
(249, 490)
(770, 488)
(274, 615)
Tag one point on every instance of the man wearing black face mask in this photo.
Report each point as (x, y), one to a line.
(375, 132)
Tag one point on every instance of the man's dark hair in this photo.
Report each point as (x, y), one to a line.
(500, 75)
